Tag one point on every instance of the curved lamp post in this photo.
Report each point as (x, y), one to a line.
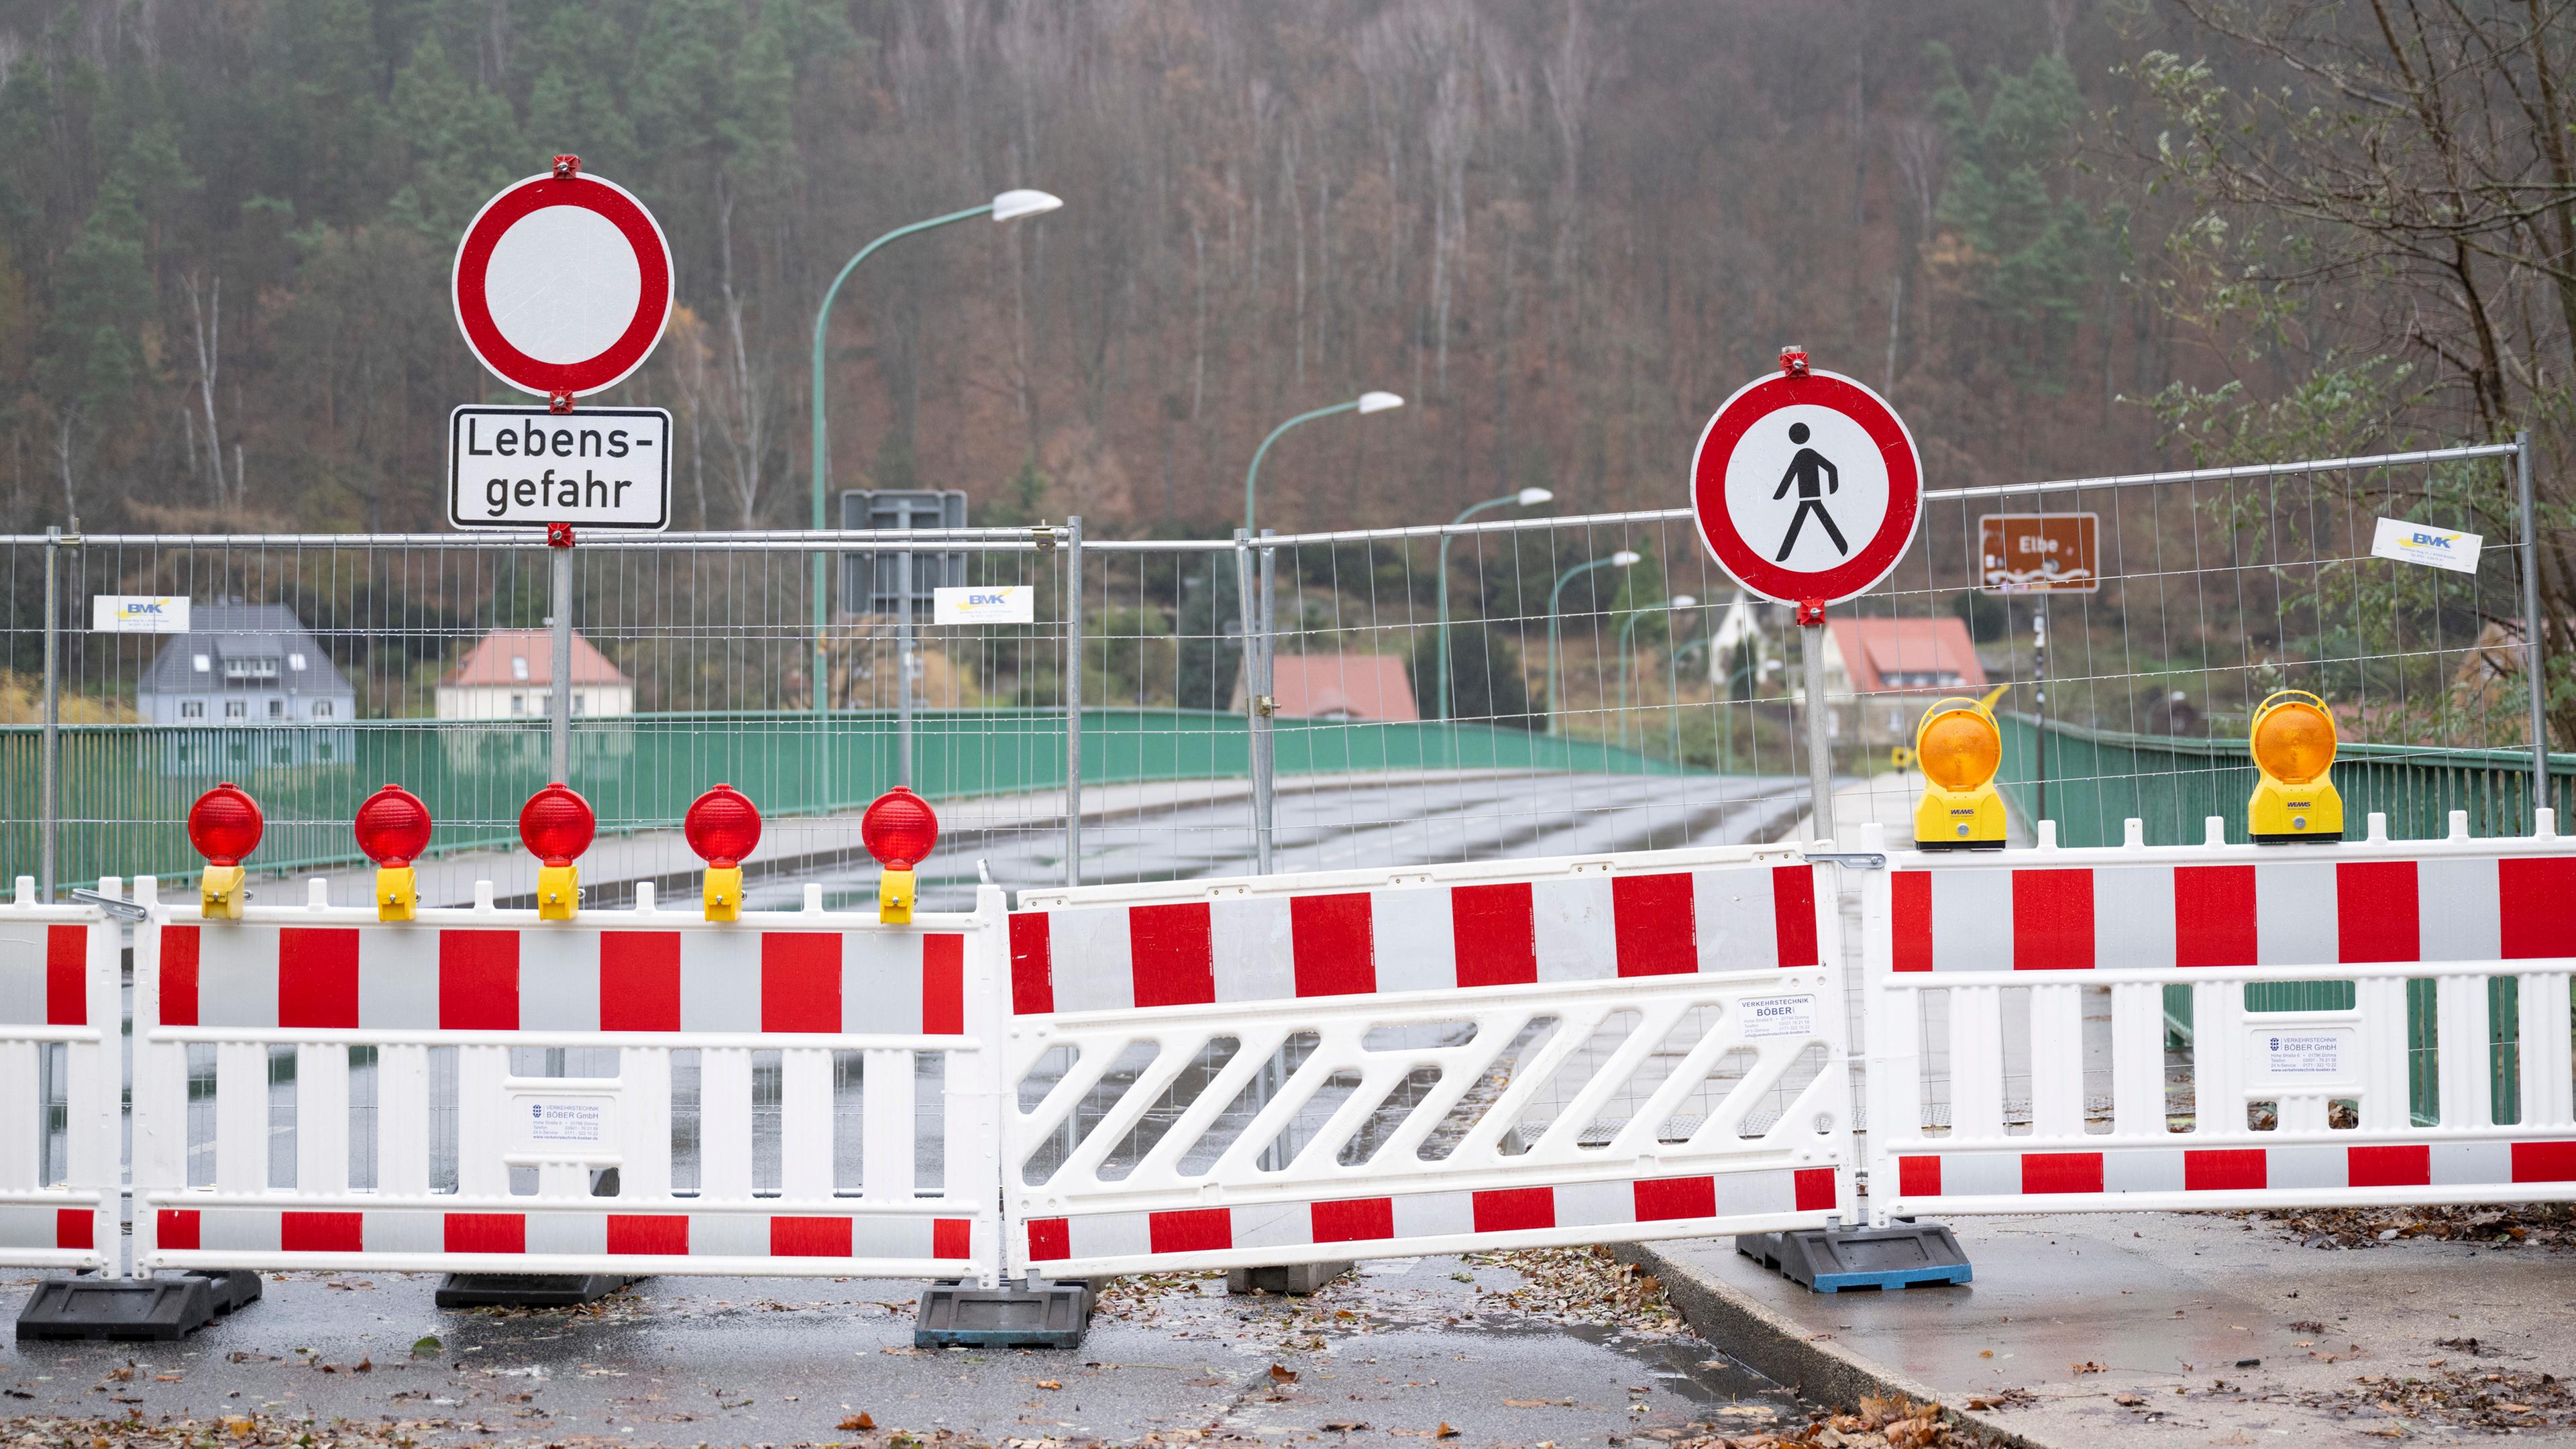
(1009, 206)
(1675, 604)
(1526, 498)
(1624, 558)
(1367, 402)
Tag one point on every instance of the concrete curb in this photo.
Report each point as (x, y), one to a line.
(1780, 1350)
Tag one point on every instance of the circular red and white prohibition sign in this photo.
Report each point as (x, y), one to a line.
(563, 284)
(1806, 489)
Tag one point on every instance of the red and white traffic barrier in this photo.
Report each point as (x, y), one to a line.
(811, 987)
(2307, 1107)
(58, 1038)
(1356, 1064)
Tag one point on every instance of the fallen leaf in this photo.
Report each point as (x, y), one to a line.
(1343, 1427)
(1444, 1431)
(1049, 1384)
(1985, 1353)
(168, 1378)
(1537, 1403)
(2128, 1401)
(364, 1366)
(2089, 1367)
(1280, 1375)
(856, 1421)
(2518, 1408)
(123, 1375)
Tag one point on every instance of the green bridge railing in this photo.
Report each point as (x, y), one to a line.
(126, 788)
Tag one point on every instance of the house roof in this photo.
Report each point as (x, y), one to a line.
(243, 631)
(1356, 686)
(1886, 655)
(497, 658)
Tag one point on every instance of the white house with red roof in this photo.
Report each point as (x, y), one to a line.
(1891, 668)
(1360, 687)
(509, 674)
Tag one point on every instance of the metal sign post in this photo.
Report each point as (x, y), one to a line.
(559, 699)
(1820, 753)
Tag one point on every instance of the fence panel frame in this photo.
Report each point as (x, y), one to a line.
(58, 963)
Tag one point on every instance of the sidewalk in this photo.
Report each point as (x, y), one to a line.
(2174, 1328)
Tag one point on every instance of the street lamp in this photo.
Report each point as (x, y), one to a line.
(1624, 558)
(1526, 498)
(1009, 206)
(1675, 604)
(1367, 402)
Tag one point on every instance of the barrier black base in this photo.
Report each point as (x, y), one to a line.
(1829, 1260)
(526, 1290)
(1039, 1314)
(160, 1310)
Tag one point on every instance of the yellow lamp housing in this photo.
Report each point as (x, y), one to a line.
(558, 892)
(222, 891)
(724, 893)
(2293, 742)
(1958, 748)
(397, 893)
(894, 898)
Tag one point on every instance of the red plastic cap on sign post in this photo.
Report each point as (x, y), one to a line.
(722, 826)
(556, 825)
(225, 824)
(392, 827)
(899, 829)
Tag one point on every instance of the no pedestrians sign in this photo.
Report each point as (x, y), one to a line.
(1806, 487)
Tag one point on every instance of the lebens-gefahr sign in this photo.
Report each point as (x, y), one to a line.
(526, 467)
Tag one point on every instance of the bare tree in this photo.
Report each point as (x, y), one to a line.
(207, 313)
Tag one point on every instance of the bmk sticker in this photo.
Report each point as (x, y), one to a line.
(988, 604)
(2419, 543)
(138, 613)
(2301, 1053)
(563, 1121)
(1779, 1015)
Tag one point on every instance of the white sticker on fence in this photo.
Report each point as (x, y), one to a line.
(138, 613)
(1779, 1016)
(563, 1121)
(2302, 1053)
(985, 604)
(2418, 543)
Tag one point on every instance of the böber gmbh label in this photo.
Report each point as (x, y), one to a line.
(523, 468)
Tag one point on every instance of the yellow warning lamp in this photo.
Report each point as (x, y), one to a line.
(556, 825)
(722, 827)
(225, 826)
(2293, 740)
(393, 829)
(899, 829)
(1958, 748)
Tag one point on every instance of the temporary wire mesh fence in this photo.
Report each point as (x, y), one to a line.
(1606, 686)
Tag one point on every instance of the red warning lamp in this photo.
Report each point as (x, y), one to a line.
(722, 826)
(224, 825)
(556, 826)
(393, 829)
(899, 830)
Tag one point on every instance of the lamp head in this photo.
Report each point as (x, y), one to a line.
(556, 825)
(1626, 558)
(1684, 601)
(392, 827)
(2293, 738)
(1012, 205)
(1533, 497)
(722, 826)
(899, 829)
(1957, 744)
(225, 825)
(1378, 402)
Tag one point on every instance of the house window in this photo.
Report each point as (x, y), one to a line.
(203, 663)
(277, 709)
(580, 702)
(192, 709)
(518, 666)
(322, 709)
(295, 662)
(242, 673)
(236, 709)
(518, 704)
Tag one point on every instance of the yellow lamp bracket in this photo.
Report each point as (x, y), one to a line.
(2293, 742)
(397, 894)
(1958, 748)
(724, 892)
(558, 892)
(894, 898)
(222, 891)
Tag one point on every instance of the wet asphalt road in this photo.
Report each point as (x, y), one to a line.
(1401, 1348)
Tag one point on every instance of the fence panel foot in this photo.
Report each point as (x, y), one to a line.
(1831, 1259)
(1039, 1314)
(161, 1310)
(527, 1290)
(1296, 1279)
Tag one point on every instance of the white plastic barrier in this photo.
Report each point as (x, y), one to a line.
(2303, 1107)
(58, 1038)
(806, 1000)
(1363, 1064)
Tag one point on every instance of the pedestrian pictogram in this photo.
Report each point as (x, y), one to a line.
(1806, 486)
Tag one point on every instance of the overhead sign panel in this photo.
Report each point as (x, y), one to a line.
(1806, 487)
(2038, 553)
(562, 283)
(523, 468)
